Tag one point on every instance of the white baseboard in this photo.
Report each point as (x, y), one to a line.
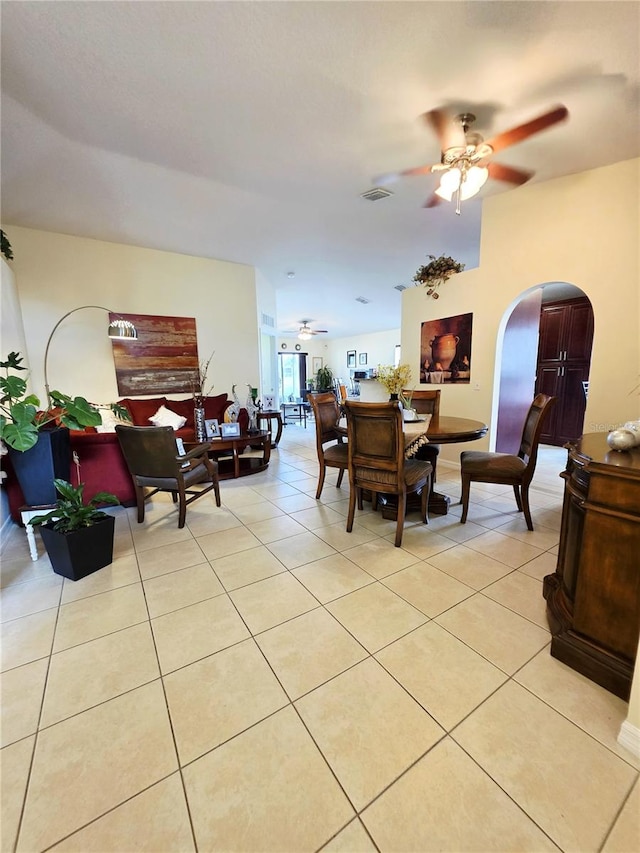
(629, 738)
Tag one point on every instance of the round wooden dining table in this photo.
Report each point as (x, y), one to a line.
(448, 429)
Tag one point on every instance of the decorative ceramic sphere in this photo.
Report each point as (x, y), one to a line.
(621, 439)
(634, 427)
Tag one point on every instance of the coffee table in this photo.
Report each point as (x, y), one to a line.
(227, 452)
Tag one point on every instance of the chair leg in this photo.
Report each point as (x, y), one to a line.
(464, 500)
(525, 507)
(323, 471)
(140, 503)
(340, 476)
(182, 512)
(516, 492)
(352, 508)
(402, 508)
(426, 491)
(216, 491)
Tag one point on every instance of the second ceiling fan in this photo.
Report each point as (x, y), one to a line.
(465, 162)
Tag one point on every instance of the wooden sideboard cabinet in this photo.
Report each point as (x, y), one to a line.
(593, 598)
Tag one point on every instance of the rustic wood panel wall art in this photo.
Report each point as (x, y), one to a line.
(445, 350)
(162, 360)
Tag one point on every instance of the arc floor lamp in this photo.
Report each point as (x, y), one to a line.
(119, 330)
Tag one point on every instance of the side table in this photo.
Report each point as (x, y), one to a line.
(26, 514)
(269, 416)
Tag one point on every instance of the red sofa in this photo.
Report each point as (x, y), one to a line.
(97, 460)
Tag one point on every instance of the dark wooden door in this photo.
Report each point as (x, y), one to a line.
(564, 354)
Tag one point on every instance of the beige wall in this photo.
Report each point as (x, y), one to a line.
(56, 273)
(582, 229)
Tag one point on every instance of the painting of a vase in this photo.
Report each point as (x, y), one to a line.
(445, 350)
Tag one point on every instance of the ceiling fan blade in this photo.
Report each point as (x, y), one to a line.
(433, 201)
(500, 172)
(449, 133)
(417, 170)
(523, 131)
(320, 331)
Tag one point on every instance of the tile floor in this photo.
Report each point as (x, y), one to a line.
(264, 681)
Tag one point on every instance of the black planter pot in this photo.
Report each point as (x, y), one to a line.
(81, 552)
(36, 469)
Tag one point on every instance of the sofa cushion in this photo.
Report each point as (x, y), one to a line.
(214, 407)
(184, 408)
(165, 417)
(142, 410)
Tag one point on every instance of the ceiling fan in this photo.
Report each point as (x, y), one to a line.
(305, 332)
(465, 157)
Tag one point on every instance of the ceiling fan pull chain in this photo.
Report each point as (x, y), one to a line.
(458, 199)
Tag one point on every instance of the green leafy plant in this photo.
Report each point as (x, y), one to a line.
(436, 272)
(20, 415)
(324, 379)
(71, 512)
(5, 246)
(393, 378)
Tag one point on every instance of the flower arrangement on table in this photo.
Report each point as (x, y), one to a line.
(394, 379)
(436, 272)
(198, 381)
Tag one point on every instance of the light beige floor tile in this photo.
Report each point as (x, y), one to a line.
(272, 490)
(257, 512)
(155, 820)
(109, 753)
(30, 597)
(449, 525)
(27, 638)
(466, 810)
(157, 534)
(279, 780)
(352, 839)
(422, 542)
(15, 761)
(540, 537)
(272, 601)
(483, 515)
(516, 738)
(351, 715)
(331, 577)
(443, 674)
(428, 589)
(234, 495)
(585, 703)
(86, 675)
(122, 572)
(21, 689)
(307, 651)
(274, 529)
(337, 536)
(319, 516)
(541, 566)
(203, 523)
(625, 835)
(20, 569)
(373, 521)
(170, 558)
(496, 633)
(246, 567)
(376, 616)
(295, 503)
(191, 633)
(503, 548)
(380, 558)
(469, 567)
(522, 594)
(298, 550)
(98, 615)
(227, 542)
(172, 591)
(214, 699)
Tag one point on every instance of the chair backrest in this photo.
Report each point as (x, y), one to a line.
(343, 392)
(426, 402)
(326, 413)
(376, 445)
(532, 430)
(149, 451)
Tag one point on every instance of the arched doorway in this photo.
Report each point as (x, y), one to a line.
(545, 346)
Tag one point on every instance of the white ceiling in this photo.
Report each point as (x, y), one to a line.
(246, 131)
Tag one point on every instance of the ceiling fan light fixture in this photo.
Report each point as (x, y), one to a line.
(304, 335)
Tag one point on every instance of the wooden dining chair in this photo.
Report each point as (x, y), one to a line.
(427, 403)
(326, 413)
(377, 460)
(153, 461)
(505, 468)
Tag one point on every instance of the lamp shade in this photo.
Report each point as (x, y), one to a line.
(473, 181)
(120, 330)
(304, 336)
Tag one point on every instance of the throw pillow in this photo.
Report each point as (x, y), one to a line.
(142, 410)
(184, 408)
(109, 421)
(165, 417)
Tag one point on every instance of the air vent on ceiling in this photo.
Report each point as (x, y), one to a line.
(362, 300)
(376, 194)
(400, 287)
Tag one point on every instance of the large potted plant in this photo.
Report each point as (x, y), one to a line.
(324, 379)
(78, 536)
(38, 441)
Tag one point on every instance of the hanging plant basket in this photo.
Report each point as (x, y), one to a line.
(436, 272)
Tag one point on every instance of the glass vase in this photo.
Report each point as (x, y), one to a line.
(199, 425)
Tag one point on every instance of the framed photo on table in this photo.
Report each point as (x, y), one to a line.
(351, 358)
(212, 428)
(231, 430)
(362, 358)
